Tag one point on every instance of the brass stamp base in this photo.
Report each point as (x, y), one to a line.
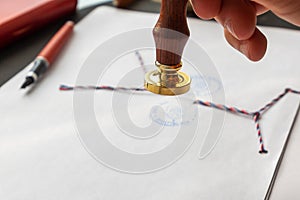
(166, 80)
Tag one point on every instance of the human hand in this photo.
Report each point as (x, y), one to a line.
(238, 18)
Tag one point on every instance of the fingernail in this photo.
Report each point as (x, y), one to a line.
(228, 25)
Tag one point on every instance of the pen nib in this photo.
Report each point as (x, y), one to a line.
(28, 81)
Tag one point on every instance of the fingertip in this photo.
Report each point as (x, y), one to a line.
(253, 48)
(240, 30)
(206, 9)
(260, 9)
(239, 18)
(257, 45)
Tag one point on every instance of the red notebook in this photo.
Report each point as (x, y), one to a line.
(20, 17)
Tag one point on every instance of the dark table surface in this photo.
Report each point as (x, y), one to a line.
(16, 56)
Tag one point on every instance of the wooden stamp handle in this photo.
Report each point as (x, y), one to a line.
(171, 32)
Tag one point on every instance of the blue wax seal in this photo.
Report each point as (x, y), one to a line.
(171, 113)
(205, 85)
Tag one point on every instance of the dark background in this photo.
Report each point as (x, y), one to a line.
(16, 56)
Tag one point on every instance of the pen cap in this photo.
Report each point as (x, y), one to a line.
(171, 32)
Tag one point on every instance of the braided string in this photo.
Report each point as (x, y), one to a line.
(230, 109)
(256, 116)
(275, 100)
(103, 87)
(141, 60)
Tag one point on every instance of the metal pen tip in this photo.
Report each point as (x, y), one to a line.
(28, 81)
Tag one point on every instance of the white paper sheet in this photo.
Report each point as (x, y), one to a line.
(42, 148)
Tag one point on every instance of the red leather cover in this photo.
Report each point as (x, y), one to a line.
(20, 17)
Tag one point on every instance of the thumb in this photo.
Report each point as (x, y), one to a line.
(288, 10)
